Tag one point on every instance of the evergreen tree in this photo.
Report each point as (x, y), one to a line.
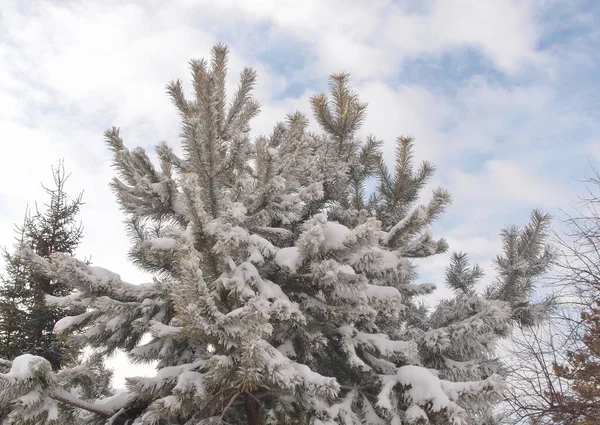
(283, 294)
(31, 303)
(15, 303)
(462, 332)
(26, 320)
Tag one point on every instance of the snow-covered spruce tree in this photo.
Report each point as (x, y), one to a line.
(283, 295)
(26, 321)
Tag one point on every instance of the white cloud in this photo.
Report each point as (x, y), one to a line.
(406, 110)
(506, 183)
(370, 39)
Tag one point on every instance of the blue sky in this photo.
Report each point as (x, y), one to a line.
(504, 96)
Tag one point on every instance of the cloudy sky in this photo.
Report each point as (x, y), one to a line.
(504, 96)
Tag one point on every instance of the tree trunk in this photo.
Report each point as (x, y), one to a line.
(251, 409)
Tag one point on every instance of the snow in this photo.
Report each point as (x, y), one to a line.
(370, 416)
(414, 414)
(24, 365)
(419, 215)
(343, 411)
(162, 244)
(380, 342)
(113, 418)
(161, 189)
(437, 339)
(237, 210)
(375, 260)
(228, 236)
(312, 192)
(101, 273)
(115, 323)
(31, 398)
(460, 366)
(289, 257)
(389, 260)
(166, 375)
(378, 292)
(424, 387)
(382, 365)
(417, 288)
(287, 349)
(53, 412)
(255, 256)
(293, 373)
(169, 402)
(191, 382)
(345, 268)
(262, 244)
(66, 301)
(108, 405)
(385, 345)
(314, 379)
(68, 322)
(352, 358)
(38, 263)
(384, 398)
(276, 231)
(423, 246)
(114, 402)
(455, 389)
(179, 204)
(258, 247)
(160, 330)
(270, 290)
(335, 235)
(246, 273)
(385, 298)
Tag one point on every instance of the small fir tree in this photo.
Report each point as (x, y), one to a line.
(31, 303)
(26, 321)
(284, 295)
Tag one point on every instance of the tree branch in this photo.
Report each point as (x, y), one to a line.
(70, 400)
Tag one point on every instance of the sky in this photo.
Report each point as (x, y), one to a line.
(503, 96)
